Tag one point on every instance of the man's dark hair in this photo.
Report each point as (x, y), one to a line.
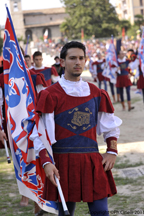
(130, 50)
(27, 56)
(37, 53)
(56, 57)
(72, 44)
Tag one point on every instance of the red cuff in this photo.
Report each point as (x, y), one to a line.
(112, 144)
(44, 157)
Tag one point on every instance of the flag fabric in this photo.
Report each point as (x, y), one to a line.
(111, 63)
(45, 35)
(21, 118)
(26, 48)
(141, 53)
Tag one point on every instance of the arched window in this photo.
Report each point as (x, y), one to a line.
(28, 32)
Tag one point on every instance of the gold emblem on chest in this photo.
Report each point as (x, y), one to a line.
(80, 118)
(123, 66)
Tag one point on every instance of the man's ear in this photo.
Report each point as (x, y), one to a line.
(62, 62)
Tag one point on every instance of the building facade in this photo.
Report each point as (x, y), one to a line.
(36, 22)
(127, 9)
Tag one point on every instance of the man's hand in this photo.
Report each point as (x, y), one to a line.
(108, 161)
(2, 137)
(50, 171)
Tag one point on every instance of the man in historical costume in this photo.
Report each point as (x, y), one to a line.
(136, 65)
(73, 111)
(98, 69)
(140, 82)
(58, 67)
(50, 73)
(123, 79)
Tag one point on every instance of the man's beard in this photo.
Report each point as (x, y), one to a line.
(76, 75)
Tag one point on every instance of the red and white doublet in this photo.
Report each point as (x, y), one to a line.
(97, 69)
(50, 74)
(123, 79)
(73, 112)
(140, 82)
(135, 65)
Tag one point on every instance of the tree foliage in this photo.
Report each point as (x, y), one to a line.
(133, 31)
(95, 17)
(125, 24)
(139, 20)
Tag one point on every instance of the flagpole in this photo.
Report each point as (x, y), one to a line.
(7, 153)
(6, 149)
(114, 48)
(65, 209)
(66, 212)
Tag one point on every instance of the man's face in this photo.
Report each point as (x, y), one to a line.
(121, 55)
(99, 56)
(28, 61)
(74, 63)
(38, 61)
(129, 53)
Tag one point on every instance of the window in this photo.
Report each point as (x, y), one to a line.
(141, 11)
(125, 14)
(15, 5)
(141, 2)
(28, 32)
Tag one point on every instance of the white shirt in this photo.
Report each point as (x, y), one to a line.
(107, 123)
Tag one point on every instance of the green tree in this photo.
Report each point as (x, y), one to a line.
(95, 17)
(125, 24)
(133, 31)
(139, 20)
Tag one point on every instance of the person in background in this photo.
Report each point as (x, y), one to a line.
(58, 66)
(123, 79)
(97, 68)
(50, 73)
(28, 61)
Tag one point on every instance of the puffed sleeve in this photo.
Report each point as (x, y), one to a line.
(45, 102)
(105, 103)
(54, 71)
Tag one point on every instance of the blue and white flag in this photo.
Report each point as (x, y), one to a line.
(21, 118)
(111, 63)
